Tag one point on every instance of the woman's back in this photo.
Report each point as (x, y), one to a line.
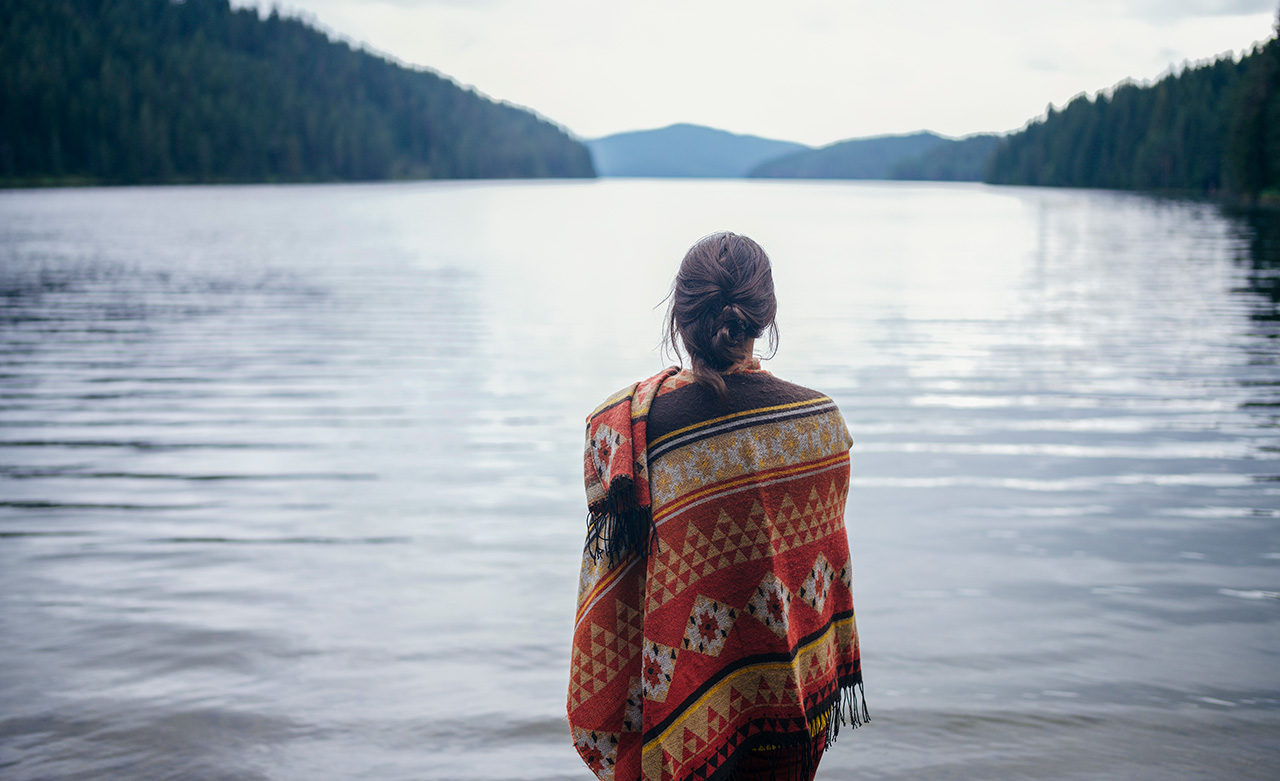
(752, 562)
(715, 624)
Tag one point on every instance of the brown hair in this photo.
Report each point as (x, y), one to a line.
(722, 296)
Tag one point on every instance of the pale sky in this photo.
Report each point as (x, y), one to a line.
(797, 70)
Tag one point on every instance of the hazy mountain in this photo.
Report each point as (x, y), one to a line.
(857, 158)
(684, 151)
(962, 160)
(160, 91)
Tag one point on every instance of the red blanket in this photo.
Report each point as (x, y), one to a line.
(715, 608)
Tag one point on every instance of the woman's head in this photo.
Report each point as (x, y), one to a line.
(721, 300)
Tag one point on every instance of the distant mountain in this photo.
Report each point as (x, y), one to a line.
(684, 151)
(858, 158)
(133, 91)
(962, 160)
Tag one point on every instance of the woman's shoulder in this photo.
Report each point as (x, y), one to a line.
(754, 398)
(767, 388)
(640, 394)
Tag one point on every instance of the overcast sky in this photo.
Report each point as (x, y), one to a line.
(799, 70)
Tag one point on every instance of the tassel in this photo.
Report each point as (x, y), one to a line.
(618, 527)
(845, 711)
(866, 715)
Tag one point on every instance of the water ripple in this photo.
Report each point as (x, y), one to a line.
(290, 477)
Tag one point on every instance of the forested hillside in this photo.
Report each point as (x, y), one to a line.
(961, 160)
(131, 91)
(858, 158)
(1213, 128)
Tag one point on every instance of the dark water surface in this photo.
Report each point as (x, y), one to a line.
(290, 476)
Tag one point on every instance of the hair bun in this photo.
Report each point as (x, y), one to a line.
(732, 313)
(722, 298)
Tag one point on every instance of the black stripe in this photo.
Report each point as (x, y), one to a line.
(746, 661)
(747, 421)
(625, 399)
(693, 404)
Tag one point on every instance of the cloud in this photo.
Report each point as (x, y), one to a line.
(1042, 64)
(415, 4)
(1168, 11)
(810, 71)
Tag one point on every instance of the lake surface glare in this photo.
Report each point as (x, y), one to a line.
(290, 477)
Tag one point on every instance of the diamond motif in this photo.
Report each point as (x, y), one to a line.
(771, 604)
(603, 444)
(846, 575)
(708, 626)
(598, 749)
(656, 668)
(817, 587)
(633, 711)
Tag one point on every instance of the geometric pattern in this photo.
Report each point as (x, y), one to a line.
(743, 452)
(605, 441)
(817, 586)
(733, 541)
(633, 711)
(742, 503)
(771, 604)
(821, 657)
(657, 666)
(709, 625)
(608, 653)
(767, 689)
(591, 573)
(598, 749)
(581, 686)
(846, 574)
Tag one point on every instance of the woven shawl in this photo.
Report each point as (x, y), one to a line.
(715, 608)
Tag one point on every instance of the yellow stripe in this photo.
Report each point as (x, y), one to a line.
(753, 668)
(744, 479)
(756, 411)
(611, 400)
(818, 725)
(601, 584)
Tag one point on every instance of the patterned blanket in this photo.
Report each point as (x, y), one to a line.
(715, 608)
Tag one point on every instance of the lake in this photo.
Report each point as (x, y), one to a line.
(290, 476)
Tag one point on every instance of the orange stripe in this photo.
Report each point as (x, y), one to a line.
(604, 583)
(744, 479)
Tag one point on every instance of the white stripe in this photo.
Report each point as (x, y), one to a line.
(600, 596)
(665, 446)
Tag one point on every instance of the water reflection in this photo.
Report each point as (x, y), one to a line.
(289, 477)
(1260, 233)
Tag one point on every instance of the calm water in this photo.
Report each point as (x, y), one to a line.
(290, 476)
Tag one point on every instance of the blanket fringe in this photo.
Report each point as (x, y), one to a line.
(618, 527)
(846, 711)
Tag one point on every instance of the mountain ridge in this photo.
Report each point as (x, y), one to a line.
(154, 91)
(683, 150)
(872, 157)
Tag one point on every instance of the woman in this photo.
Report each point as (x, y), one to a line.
(715, 633)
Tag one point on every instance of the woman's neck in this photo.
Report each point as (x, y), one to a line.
(749, 348)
